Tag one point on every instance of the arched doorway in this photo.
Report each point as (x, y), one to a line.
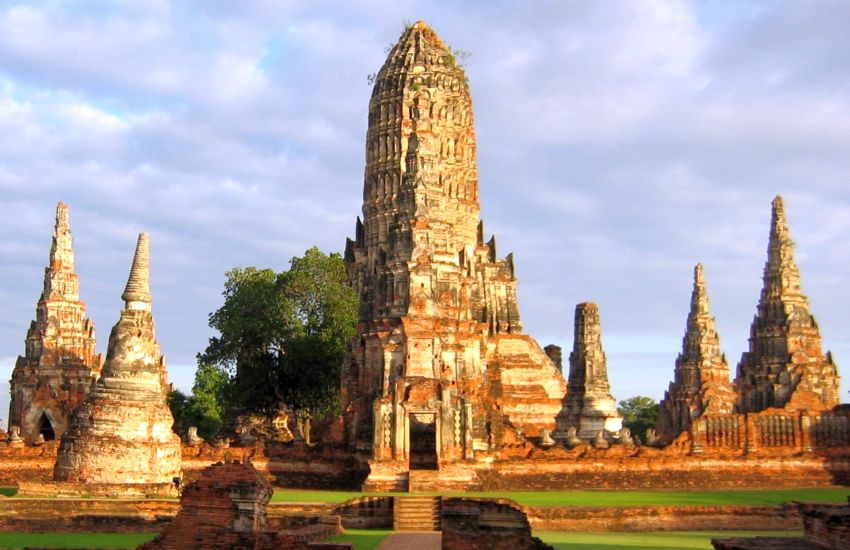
(45, 428)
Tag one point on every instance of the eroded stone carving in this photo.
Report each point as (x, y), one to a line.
(589, 404)
(439, 323)
(701, 383)
(122, 432)
(58, 367)
(784, 366)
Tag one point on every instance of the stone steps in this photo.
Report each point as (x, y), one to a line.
(416, 513)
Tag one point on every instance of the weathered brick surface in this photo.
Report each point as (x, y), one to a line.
(784, 366)
(588, 405)
(827, 525)
(701, 382)
(55, 373)
(122, 433)
(227, 508)
(474, 523)
(439, 357)
(86, 515)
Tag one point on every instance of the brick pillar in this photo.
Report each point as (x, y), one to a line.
(751, 433)
(805, 432)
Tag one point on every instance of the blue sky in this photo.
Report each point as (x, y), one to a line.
(619, 144)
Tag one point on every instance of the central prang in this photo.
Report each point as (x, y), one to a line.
(439, 353)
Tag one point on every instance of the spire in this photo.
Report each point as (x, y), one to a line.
(701, 377)
(701, 342)
(138, 285)
(61, 250)
(699, 296)
(587, 361)
(781, 275)
(60, 281)
(784, 366)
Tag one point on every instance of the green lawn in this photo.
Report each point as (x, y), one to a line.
(671, 540)
(608, 498)
(74, 540)
(362, 539)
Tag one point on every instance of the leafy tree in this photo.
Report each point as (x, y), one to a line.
(205, 407)
(639, 413)
(282, 337)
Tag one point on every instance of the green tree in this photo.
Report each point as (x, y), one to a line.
(282, 337)
(639, 413)
(204, 408)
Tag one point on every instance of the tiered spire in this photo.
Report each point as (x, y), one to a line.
(55, 374)
(701, 379)
(784, 366)
(138, 284)
(125, 421)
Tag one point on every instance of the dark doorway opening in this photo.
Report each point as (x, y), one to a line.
(423, 441)
(45, 428)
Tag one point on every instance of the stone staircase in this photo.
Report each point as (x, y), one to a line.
(416, 513)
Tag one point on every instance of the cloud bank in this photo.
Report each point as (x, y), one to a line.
(618, 146)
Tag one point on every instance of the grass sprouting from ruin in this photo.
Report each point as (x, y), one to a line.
(74, 540)
(362, 539)
(668, 540)
(766, 497)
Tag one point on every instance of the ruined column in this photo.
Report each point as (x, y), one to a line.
(784, 366)
(701, 382)
(122, 432)
(59, 364)
(588, 405)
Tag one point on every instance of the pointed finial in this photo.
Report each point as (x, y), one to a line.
(699, 278)
(138, 285)
(778, 224)
(699, 298)
(61, 217)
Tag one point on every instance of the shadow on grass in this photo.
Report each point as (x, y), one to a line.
(661, 540)
(362, 539)
(74, 540)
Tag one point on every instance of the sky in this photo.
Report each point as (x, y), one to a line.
(619, 143)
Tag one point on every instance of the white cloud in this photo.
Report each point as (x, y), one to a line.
(617, 147)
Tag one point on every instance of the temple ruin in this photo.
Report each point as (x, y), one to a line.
(57, 370)
(439, 371)
(784, 367)
(701, 383)
(122, 433)
(588, 406)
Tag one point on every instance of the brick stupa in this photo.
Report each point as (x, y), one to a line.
(225, 508)
(57, 370)
(701, 383)
(588, 406)
(122, 433)
(439, 370)
(784, 367)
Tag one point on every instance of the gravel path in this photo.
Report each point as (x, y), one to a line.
(412, 540)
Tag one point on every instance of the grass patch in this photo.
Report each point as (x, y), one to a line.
(8, 491)
(74, 540)
(669, 540)
(362, 539)
(765, 497)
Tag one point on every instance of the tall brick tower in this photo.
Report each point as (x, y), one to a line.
(784, 366)
(588, 406)
(439, 370)
(56, 372)
(701, 383)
